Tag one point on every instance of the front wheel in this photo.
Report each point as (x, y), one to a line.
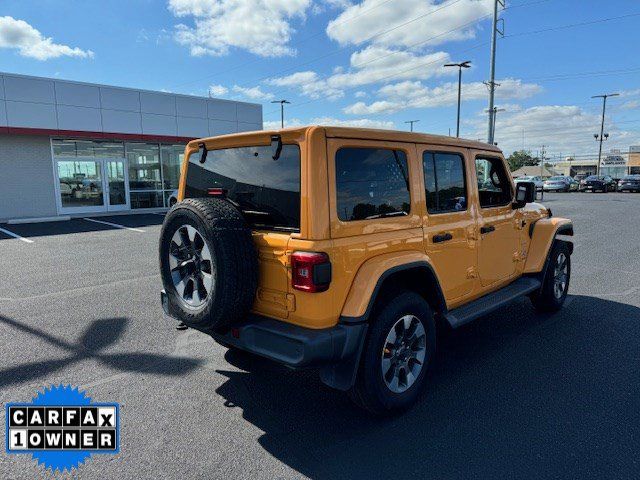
(398, 351)
(555, 284)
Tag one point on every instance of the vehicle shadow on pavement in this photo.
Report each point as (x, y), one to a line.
(97, 337)
(515, 394)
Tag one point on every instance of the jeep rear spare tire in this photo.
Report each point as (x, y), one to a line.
(208, 263)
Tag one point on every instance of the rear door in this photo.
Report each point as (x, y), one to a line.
(449, 224)
(497, 222)
(267, 192)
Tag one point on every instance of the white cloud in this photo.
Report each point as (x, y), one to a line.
(254, 93)
(440, 22)
(259, 26)
(331, 121)
(414, 94)
(360, 94)
(218, 90)
(631, 105)
(370, 65)
(30, 43)
(309, 84)
(566, 129)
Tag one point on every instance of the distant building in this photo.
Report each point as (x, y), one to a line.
(71, 148)
(634, 159)
(535, 171)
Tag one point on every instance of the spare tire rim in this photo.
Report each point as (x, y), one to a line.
(403, 353)
(561, 276)
(192, 270)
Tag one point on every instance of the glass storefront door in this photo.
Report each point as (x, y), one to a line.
(117, 184)
(87, 185)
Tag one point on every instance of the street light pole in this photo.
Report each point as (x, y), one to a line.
(460, 66)
(602, 134)
(411, 122)
(281, 102)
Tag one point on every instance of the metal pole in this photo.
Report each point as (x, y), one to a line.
(459, 95)
(411, 122)
(281, 102)
(492, 71)
(604, 107)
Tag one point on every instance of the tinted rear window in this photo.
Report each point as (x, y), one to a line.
(371, 183)
(266, 191)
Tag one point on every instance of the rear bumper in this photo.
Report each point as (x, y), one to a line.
(334, 351)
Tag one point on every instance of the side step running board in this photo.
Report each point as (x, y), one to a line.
(492, 301)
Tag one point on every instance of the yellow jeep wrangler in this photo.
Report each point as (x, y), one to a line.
(339, 248)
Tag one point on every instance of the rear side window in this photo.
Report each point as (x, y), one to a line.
(444, 182)
(371, 183)
(267, 192)
(494, 186)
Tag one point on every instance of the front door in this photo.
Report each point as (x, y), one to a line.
(449, 226)
(498, 244)
(92, 185)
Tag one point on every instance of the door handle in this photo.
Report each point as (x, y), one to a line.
(487, 229)
(442, 237)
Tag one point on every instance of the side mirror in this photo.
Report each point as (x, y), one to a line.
(525, 193)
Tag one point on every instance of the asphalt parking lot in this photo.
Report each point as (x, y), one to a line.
(514, 395)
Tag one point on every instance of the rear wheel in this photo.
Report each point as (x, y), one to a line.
(555, 284)
(397, 354)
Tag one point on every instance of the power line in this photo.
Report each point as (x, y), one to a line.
(572, 25)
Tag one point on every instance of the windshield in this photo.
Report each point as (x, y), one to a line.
(556, 179)
(524, 179)
(631, 177)
(594, 177)
(267, 192)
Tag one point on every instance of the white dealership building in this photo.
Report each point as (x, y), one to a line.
(71, 148)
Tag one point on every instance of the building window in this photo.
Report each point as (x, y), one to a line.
(87, 148)
(371, 183)
(153, 169)
(171, 156)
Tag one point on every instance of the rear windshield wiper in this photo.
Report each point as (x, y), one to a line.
(400, 213)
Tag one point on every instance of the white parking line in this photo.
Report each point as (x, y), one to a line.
(15, 235)
(117, 225)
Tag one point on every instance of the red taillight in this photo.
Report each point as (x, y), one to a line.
(216, 192)
(311, 271)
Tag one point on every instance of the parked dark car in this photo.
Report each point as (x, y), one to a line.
(629, 183)
(598, 183)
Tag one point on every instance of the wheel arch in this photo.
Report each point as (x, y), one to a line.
(543, 234)
(380, 277)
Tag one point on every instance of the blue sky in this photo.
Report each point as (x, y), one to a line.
(370, 63)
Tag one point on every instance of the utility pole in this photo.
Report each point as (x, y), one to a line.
(411, 122)
(542, 153)
(466, 64)
(495, 115)
(492, 69)
(281, 102)
(603, 136)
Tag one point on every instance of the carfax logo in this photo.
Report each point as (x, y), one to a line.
(62, 427)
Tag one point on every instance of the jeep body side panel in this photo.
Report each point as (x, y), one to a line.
(370, 276)
(544, 233)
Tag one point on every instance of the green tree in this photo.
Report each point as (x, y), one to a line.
(521, 158)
